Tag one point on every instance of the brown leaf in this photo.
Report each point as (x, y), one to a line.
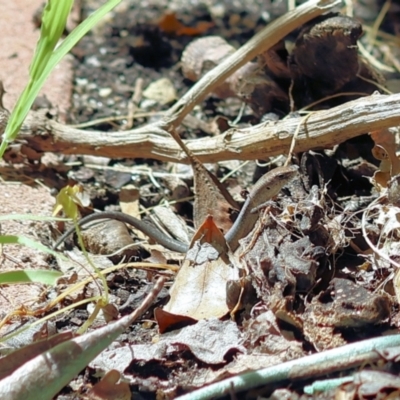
(170, 24)
(211, 196)
(385, 151)
(168, 321)
(109, 388)
(199, 290)
(208, 232)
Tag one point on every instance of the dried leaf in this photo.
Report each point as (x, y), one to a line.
(172, 223)
(199, 290)
(169, 321)
(209, 233)
(129, 200)
(385, 151)
(372, 383)
(209, 341)
(170, 24)
(211, 196)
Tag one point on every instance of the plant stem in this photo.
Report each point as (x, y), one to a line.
(316, 364)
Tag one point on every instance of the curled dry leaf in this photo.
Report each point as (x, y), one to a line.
(108, 237)
(385, 151)
(386, 246)
(173, 223)
(201, 55)
(326, 52)
(250, 83)
(375, 383)
(199, 290)
(210, 233)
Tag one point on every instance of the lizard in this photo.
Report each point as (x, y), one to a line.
(267, 187)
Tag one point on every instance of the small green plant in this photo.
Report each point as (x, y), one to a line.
(68, 200)
(48, 55)
(45, 277)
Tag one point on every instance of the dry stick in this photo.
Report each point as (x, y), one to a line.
(323, 129)
(148, 301)
(261, 42)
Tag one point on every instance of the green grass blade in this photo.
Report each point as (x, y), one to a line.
(10, 239)
(31, 217)
(81, 30)
(54, 20)
(29, 276)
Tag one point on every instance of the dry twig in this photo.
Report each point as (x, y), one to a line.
(323, 129)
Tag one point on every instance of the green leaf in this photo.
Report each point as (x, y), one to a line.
(28, 276)
(9, 239)
(54, 20)
(30, 217)
(68, 200)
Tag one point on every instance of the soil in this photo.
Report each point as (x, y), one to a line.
(112, 67)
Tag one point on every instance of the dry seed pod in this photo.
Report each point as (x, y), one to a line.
(274, 60)
(249, 83)
(202, 55)
(328, 51)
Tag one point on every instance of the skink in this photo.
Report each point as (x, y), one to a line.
(268, 186)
